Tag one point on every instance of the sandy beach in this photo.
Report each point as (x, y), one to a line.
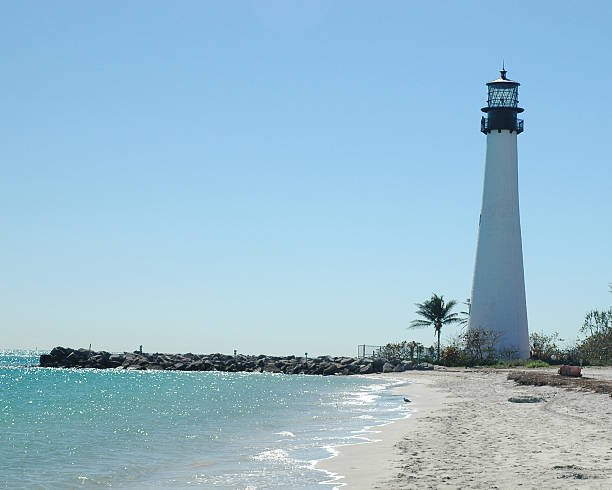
(464, 433)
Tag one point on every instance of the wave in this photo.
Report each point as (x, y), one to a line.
(285, 433)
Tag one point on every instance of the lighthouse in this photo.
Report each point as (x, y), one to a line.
(498, 290)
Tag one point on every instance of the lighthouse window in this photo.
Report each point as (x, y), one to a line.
(503, 97)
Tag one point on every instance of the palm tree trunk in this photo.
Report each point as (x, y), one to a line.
(439, 345)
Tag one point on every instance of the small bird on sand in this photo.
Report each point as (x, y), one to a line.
(406, 400)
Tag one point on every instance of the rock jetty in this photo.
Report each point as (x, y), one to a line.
(64, 357)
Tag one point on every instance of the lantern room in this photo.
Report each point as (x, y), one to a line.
(502, 106)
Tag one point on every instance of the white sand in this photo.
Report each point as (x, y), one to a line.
(464, 433)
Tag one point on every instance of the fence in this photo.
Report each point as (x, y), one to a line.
(364, 350)
(419, 352)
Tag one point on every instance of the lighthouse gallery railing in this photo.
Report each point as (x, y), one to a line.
(484, 125)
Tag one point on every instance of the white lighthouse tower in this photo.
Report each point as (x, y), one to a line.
(498, 291)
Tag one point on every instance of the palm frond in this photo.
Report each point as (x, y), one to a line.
(451, 318)
(419, 324)
(427, 315)
(449, 306)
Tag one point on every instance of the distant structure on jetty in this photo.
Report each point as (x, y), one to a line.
(498, 292)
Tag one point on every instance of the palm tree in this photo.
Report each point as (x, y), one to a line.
(412, 346)
(465, 315)
(437, 313)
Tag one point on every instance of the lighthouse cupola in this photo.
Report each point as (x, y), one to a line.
(502, 106)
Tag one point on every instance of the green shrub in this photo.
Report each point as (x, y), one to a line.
(543, 346)
(596, 347)
(510, 363)
(537, 364)
(452, 356)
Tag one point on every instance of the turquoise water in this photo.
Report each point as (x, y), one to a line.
(63, 428)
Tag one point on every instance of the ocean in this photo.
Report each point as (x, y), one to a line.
(68, 428)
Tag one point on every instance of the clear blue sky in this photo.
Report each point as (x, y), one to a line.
(282, 177)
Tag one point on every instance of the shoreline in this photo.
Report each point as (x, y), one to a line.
(464, 432)
(363, 464)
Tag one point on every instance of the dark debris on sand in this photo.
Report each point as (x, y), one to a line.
(539, 378)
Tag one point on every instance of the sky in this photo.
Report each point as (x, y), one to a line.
(284, 177)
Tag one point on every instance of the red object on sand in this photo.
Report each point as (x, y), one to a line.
(566, 370)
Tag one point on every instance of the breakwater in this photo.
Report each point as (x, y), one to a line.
(65, 357)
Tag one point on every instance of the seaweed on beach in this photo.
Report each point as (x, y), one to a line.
(538, 378)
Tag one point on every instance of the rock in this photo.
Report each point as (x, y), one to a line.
(377, 365)
(424, 366)
(83, 353)
(72, 359)
(367, 369)
(388, 367)
(195, 366)
(525, 399)
(352, 368)
(136, 360)
(271, 368)
(330, 369)
(59, 352)
(46, 360)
